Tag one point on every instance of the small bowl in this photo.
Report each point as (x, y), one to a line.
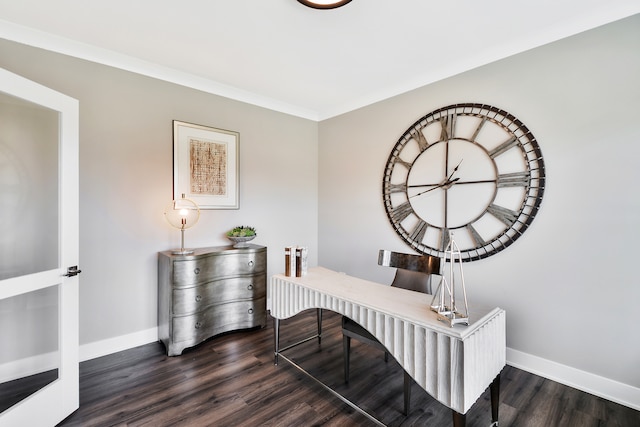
(241, 242)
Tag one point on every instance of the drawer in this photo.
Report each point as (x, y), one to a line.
(208, 268)
(218, 319)
(191, 300)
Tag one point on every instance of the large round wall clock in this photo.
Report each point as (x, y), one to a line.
(471, 172)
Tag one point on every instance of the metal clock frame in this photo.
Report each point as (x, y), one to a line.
(396, 195)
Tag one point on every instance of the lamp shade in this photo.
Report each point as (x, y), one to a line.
(182, 214)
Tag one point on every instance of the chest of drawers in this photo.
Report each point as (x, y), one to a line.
(211, 291)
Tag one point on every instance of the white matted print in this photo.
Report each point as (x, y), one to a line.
(205, 165)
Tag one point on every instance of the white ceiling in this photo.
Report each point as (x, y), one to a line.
(282, 55)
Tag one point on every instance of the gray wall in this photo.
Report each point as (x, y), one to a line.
(126, 182)
(569, 285)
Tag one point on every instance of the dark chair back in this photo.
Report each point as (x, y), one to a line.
(413, 272)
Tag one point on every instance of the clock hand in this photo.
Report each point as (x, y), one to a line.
(423, 185)
(455, 169)
(446, 185)
(450, 182)
(480, 181)
(442, 184)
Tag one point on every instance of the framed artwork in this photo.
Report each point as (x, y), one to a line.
(206, 165)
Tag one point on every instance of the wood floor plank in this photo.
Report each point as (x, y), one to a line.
(12, 392)
(231, 381)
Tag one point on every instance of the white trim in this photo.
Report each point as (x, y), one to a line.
(606, 388)
(54, 43)
(28, 366)
(113, 345)
(44, 362)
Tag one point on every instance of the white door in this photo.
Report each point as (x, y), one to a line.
(38, 242)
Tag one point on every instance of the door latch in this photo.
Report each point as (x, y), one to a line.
(73, 271)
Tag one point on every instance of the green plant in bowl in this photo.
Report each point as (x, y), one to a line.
(241, 235)
(242, 231)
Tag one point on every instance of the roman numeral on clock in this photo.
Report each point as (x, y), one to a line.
(400, 212)
(503, 214)
(448, 124)
(475, 236)
(399, 161)
(516, 179)
(395, 188)
(444, 238)
(418, 232)
(478, 129)
(423, 144)
(507, 145)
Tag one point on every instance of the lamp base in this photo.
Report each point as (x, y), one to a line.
(182, 251)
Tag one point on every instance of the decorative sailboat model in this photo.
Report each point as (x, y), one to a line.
(444, 299)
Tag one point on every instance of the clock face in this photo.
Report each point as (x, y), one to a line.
(471, 172)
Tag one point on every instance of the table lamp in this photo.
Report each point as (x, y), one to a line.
(182, 214)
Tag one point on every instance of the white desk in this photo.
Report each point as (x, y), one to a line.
(455, 365)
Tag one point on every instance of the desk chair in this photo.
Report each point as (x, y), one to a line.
(413, 272)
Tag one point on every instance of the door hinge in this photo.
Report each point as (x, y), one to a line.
(73, 271)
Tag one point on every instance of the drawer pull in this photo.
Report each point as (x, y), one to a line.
(196, 270)
(198, 298)
(198, 325)
(251, 311)
(250, 287)
(251, 263)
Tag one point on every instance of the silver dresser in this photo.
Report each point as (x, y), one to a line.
(211, 291)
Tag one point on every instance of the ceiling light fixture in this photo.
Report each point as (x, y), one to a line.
(321, 4)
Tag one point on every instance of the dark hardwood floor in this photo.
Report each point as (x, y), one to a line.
(231, 381)
(12, 392)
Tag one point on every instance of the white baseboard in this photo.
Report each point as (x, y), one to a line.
(28, 366)
(116, 344)
(44, 362)
(606, 388)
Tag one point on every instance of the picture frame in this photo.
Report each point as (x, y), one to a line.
(206, 165)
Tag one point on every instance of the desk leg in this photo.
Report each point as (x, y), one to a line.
(319, 313)
(459, 420)
(494, 389)
(408, 381)
(276, 336)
